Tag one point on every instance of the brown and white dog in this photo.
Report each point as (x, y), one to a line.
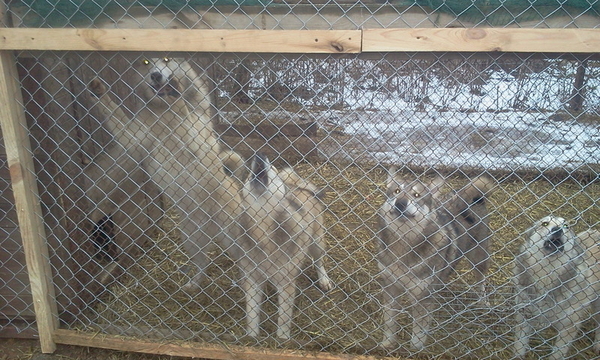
(421, 239)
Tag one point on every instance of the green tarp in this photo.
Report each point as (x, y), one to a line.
(60, 13)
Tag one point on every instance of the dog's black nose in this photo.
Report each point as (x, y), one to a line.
(156, 77)
(556, 232)
(400, 206)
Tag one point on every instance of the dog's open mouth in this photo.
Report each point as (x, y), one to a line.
(554, 242)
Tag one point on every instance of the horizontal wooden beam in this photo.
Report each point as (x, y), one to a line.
(193, 349)
(306, 41)
(262, 41)
(482, 40)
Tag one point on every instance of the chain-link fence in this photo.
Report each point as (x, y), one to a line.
(418, 180)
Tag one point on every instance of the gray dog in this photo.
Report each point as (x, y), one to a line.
(421, 240)
(557, 279)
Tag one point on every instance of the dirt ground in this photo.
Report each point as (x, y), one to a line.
(19, 349)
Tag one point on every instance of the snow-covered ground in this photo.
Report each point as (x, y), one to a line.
(507, 141)
(437, 116)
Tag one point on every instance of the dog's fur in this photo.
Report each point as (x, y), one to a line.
(283, 223)
(178, 149)
(421, 240)
(467, 215)
(557, 280)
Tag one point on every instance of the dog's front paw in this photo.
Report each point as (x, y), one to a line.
(190, 286)
(193, 283)
(389, 343)
(418, 340)
(97, 87)
(325, 283)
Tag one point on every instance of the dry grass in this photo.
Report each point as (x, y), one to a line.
(346, 319)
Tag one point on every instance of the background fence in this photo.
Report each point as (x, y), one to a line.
(338, 104)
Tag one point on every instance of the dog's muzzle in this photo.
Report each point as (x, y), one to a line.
(554, 242)
(164, 87)
(400, 206)
(156, 77)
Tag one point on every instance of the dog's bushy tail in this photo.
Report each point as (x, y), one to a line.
(294, 181)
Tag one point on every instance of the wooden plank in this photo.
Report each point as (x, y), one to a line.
(482, 40)
(306, 41)
(20, 163)
(194, 349)
(264, 41)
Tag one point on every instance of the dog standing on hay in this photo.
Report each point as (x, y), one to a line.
(557, 279)
(179, 151)
(283, 223)
(421, 240)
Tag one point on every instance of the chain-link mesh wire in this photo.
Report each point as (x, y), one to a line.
(325, 14)
(130, 167)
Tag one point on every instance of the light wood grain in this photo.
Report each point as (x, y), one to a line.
(263, 41)
(482, 40)
(193, 349)
(306, 41)
(22, 173)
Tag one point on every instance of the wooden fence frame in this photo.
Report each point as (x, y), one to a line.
(20, 161)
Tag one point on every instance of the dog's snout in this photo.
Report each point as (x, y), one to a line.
(556, 232)
(400, 206)
(156, 77)
(554, 242)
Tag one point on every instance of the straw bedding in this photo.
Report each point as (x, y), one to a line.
(346, 319)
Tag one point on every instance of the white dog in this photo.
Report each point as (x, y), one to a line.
(283, 223)
(557, 279)
(171, 137)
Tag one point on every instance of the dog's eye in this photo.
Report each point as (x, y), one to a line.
(545, 223)
(166, 59)
(566, 226)
(397, 191)
(146, 62)
(417, 195)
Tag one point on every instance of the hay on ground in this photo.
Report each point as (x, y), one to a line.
(348, 318)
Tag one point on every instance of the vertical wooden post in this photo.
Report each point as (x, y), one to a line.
(29, 212)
